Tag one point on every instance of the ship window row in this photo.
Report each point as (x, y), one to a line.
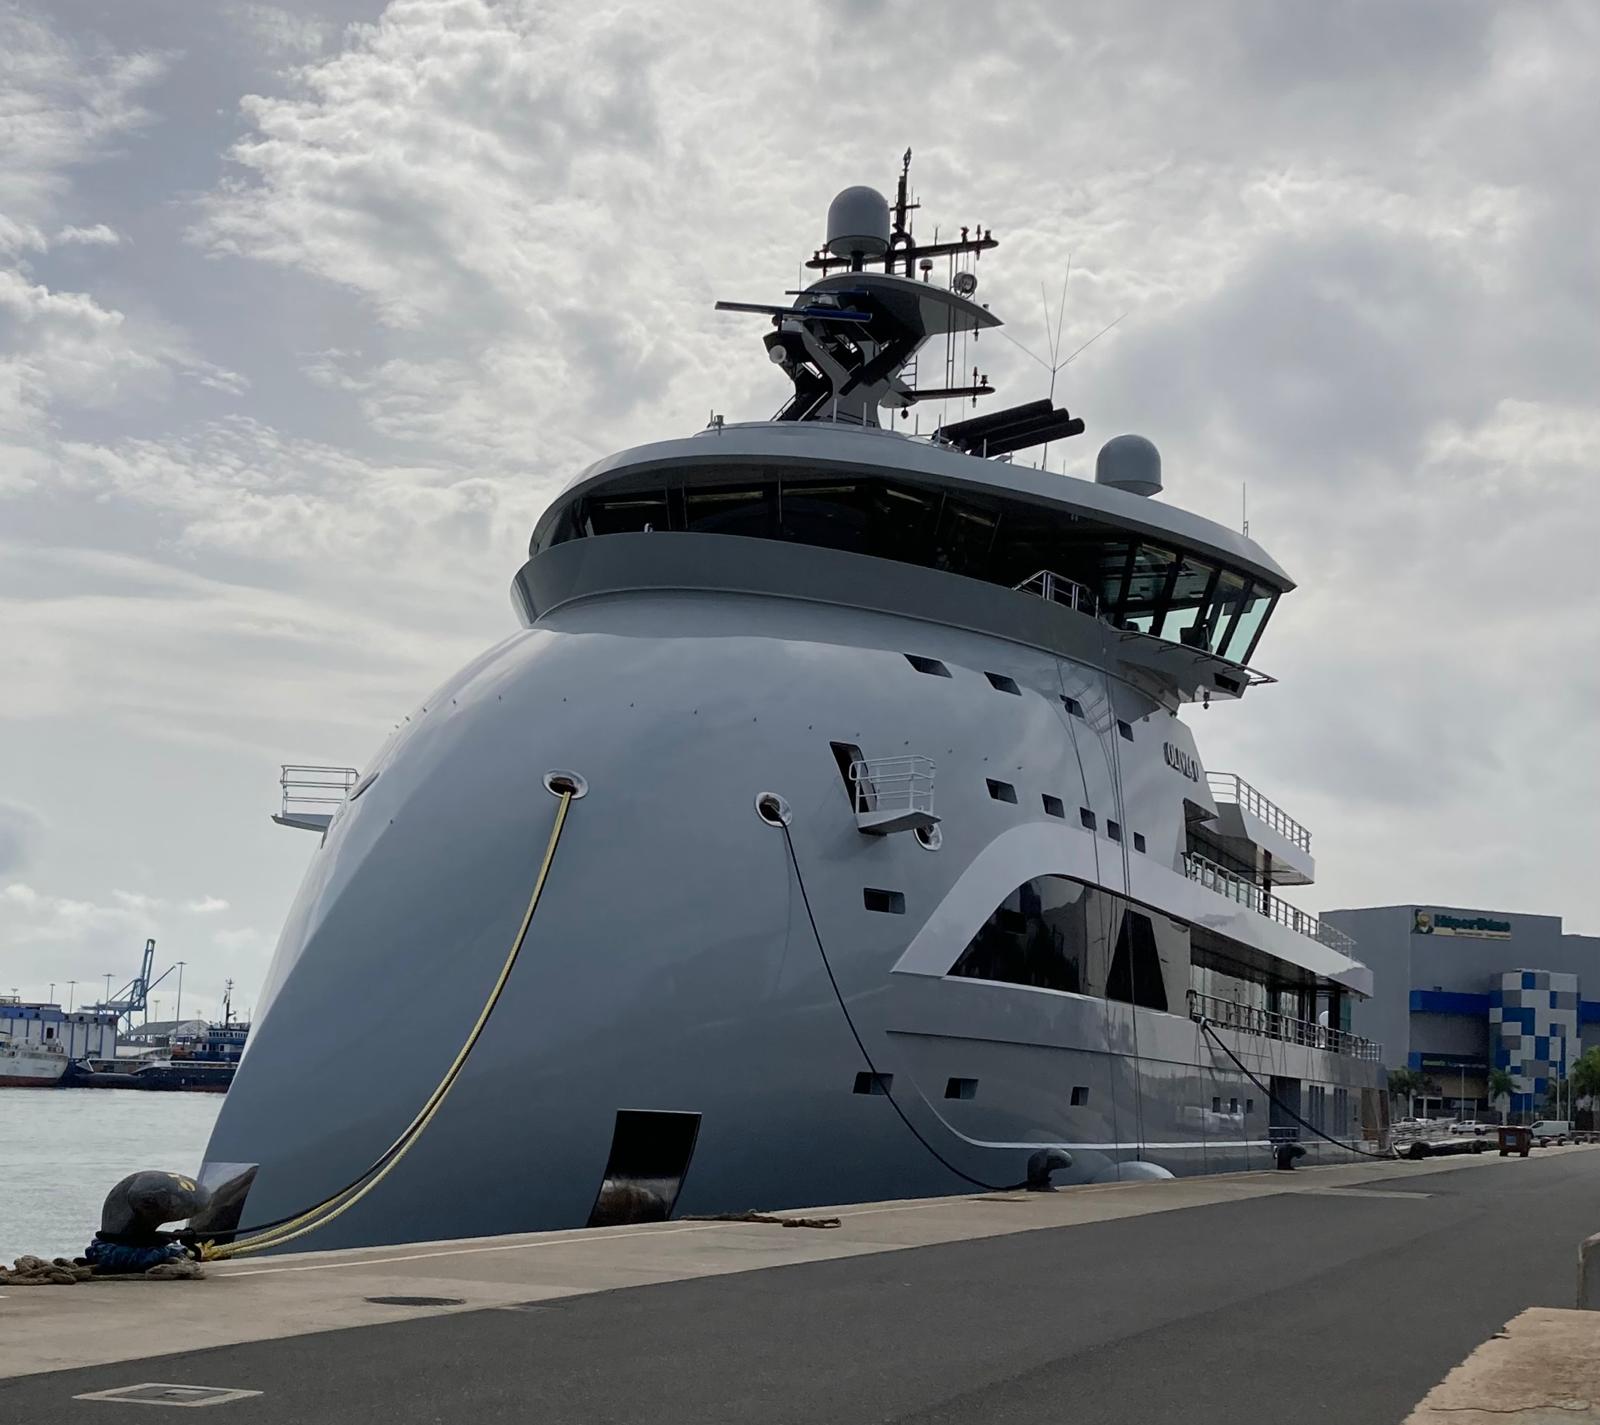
(1056, 933)
(1139, 584)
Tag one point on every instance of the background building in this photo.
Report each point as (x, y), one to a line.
(1456, 992)
(82, 1033)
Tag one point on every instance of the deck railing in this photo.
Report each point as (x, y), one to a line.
(1058, 589)
(892, 784)
(1269, 1024)
(1238, 888)
(315, 789)
(1231, 787)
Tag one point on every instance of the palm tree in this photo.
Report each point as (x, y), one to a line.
(1585, 1076)
(1407, 1084)
(1501, 1086)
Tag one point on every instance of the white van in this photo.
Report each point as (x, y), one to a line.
(1547, 1129)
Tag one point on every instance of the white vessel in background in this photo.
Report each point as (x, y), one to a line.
(889, 863)
(30, 1065)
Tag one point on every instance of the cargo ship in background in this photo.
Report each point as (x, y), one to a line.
(193, 1055)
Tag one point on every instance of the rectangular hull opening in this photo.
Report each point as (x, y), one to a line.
(649, 1160)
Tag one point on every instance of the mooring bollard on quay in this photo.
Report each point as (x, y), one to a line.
(1589, 1274)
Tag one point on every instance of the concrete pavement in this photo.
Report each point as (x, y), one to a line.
(1342, 1294)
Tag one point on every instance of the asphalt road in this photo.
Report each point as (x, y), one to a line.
(1344, 1305)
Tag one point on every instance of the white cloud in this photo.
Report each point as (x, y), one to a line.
(285, 34)
(97, 236)
(62, 107)
(206, 905)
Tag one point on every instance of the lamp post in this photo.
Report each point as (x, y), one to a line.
(178, 1012)
(72, 994)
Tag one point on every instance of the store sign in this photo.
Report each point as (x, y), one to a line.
(1453, 1063)
(1180, 761)
(1481, 927)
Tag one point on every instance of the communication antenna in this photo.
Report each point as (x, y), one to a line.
(1244, 509)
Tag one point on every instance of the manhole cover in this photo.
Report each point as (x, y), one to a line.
(162, 1393)
(416, 1301)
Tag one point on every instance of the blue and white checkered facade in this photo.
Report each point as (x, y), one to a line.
(1533, 1027)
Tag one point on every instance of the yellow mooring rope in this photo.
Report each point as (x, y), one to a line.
(347, 1197)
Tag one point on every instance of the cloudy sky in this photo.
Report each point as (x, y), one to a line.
(307, 309)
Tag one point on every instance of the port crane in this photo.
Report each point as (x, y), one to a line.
(134, 997)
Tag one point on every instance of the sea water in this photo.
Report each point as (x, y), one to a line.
(62, 1150)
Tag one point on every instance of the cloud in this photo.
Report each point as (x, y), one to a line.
(285, 34)
(97, 236)
(206, 905)
(63, 108)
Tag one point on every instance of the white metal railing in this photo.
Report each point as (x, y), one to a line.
(1057, 589)
(1269, 1024)
(1238, 888)
(315, 789)
(892, 784)
(1231, 787)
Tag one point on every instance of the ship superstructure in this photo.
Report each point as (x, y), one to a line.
(892, 862)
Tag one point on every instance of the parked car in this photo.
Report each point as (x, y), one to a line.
(1467, 1126)
(1551, 1130)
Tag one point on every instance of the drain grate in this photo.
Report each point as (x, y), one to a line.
(417, 1300)
(163, 1393)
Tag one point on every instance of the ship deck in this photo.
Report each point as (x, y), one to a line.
(1341, 1293)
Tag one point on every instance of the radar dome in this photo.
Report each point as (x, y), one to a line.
(858, 222)
(1131, 463)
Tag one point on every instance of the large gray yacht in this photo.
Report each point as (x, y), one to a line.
(887, 861)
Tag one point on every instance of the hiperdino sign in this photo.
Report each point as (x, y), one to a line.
(1438, 922)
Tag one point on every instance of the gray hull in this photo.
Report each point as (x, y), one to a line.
(671, 965)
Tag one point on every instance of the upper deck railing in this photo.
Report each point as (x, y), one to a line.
(1237, 888)
(315, 789)
(1231, 787)
(1269, 1024)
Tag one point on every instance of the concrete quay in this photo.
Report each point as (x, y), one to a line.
(1341, 1293)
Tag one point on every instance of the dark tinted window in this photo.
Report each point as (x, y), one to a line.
(625, 514)
(748, 510)
(1135, 976)
(835, 516)
(965, 538)
(1037, 936)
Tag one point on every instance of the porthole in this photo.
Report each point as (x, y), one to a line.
(560, 783)
(930, 838)
(772, 809)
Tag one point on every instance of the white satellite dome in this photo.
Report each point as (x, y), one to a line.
(1131, 463)
(858, 223)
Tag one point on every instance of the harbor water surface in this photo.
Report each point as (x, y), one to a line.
(61, 1150)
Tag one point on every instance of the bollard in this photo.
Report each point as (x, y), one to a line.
(1589, 1274)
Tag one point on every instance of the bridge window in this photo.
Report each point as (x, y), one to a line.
(748, 510)
(1184, 606)
(1151, 587)
(626, 514)
(1240, 641)
(1143, 598)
